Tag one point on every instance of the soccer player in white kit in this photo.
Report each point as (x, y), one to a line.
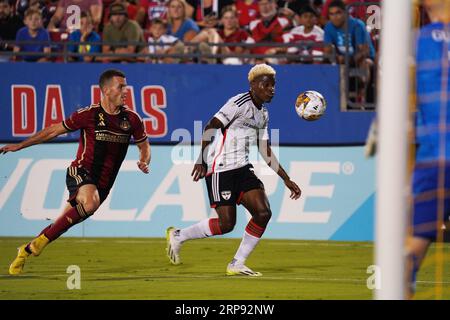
(224, 162)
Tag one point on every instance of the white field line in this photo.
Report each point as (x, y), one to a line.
(215, 277)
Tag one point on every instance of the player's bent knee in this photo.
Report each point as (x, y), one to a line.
(226, 227)
(91, 205)
(264, 215)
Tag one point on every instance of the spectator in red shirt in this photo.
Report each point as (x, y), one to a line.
(230, 32)
(150, 10)
(269, 28)
(247, 11)
(59, 19)
(307, 31)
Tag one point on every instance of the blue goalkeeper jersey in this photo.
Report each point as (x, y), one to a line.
(433, 92)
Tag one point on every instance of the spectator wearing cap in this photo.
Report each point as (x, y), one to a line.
(33, 31)
(307, 33)
(85, 34)
(62, 14)
(180, 25)
(9, 25)
(133, 11)
(120, 30)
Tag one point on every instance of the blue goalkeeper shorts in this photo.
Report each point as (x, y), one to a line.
(426, 201)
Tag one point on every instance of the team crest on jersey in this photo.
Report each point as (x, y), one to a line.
(125, 125)
(226, 194)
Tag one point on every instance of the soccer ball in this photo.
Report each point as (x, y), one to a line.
(310, 105)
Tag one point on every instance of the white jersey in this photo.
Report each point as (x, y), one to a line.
(242, 122)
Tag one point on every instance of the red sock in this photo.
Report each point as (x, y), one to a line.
(214, 226)
(65, 222)
(254, 230)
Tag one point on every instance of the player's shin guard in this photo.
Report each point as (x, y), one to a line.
(203, 229)
(70, 218)
(252, 235)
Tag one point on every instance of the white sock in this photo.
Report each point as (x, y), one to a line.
(197, 231)
(248, 243)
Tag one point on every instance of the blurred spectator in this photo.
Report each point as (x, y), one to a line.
(290, 8)
(150, 10)
(33, 31)
(204, 11)
(360, 51)
(121, 29)
(180, 25)
(360, 47)
(24, 5)
(159, 42)
(132, 10)
(306, 31)
(355, 10)
(318, 6)
(232, 33)
(59, 19)
(247, 11)
(84, 34)
(269, 28)
(9, 25)
(229, 33)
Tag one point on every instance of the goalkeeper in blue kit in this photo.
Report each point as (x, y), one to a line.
(431, 176)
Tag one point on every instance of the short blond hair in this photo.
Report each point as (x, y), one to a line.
(259, 70)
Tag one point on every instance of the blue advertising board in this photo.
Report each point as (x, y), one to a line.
(173, 97)
(337, 194)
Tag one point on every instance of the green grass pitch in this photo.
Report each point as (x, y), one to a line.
(119, 268)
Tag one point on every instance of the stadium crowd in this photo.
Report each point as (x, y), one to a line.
(179, 31)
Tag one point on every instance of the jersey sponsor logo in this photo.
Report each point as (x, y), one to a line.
(226, 195)
(110, 137)
(440, 35)
(251, 125)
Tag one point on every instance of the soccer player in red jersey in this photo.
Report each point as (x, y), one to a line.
(106, 129)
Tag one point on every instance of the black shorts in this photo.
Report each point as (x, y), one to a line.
(77, 177)
(226, 188)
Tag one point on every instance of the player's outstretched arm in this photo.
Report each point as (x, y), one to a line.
(42, 136)
(269, 157)
(199, 170)
(144, 156)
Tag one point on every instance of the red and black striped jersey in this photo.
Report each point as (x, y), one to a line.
(104, 140)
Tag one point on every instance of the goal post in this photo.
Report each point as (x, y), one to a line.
(391, 164)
